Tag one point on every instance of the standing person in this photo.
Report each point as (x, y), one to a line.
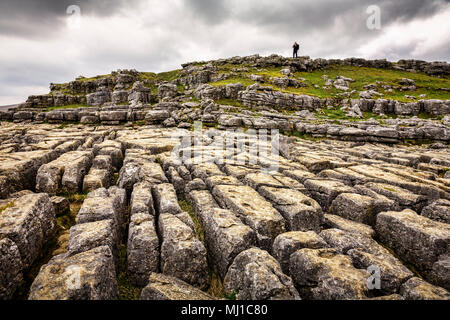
(296, 47)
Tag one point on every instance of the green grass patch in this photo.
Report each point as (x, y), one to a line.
(127, 291)
(230, 102)
(428, 116)
(9, 205)
(74, 197)
(244, 81)
(84, 79)
(76, 200)
(390, 189)
(303, 136)
(425, 84)
(187, 207)
(71, 106)
(417, 142)
(442, 173)
(168, 76)
(231, 296)
(363, 76)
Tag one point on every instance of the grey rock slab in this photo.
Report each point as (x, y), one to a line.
(10, 268)
(253, 210)
(166, 200)
(141, 200)
(29, 223)
(300, 211)
(438, 211)
(414, 238)
(87, 236)
(182, 255)
(393, 273)
(418, 289)
(324, 274)
(88, 275)
(164, 287)
(256, 275)
(226, 236)
(142, 248)
(325, 191)
(354, 207)
(333, 221)
(288, 243)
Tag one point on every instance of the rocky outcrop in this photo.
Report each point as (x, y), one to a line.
(416, 239)
(86, 276)
(25, 226)
(325, 274)
(255, 275)
(163, 287)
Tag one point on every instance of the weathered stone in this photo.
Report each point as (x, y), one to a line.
(166, 200)
(344, 241)
(113, 116)
(393, 273)
(196, 184)
(87, 236)
(414, 238)
(438, 211)
(177, 181)
(60, 204)
(255, 275)
(288, 243)
(102, 162)
(323, 274)
(167, 90)
(141, 199)
(10, 268)
(103, 204)
(253, 210)
(299, 175)
(96, 178)
(260, 179)
(226, 236)
(142, 248)
(325, 191)
(417, 289)
(205, 170)
(301, 212)
(86, 276)
(203, 203)
(440, 273)
(338, 222)
(164, 287)
(403, 197)
(65, 173)
(354, 207)
(182, 255)
(213, 181)
(156, 116)
(29, 223)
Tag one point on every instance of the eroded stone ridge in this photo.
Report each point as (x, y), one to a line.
(303, 224)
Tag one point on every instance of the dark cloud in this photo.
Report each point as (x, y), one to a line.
(211, 12)
(310, 15)
(43, 18)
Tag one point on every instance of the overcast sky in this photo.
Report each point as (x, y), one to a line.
(40, 43)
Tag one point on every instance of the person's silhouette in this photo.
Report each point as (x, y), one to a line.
(296, 47)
